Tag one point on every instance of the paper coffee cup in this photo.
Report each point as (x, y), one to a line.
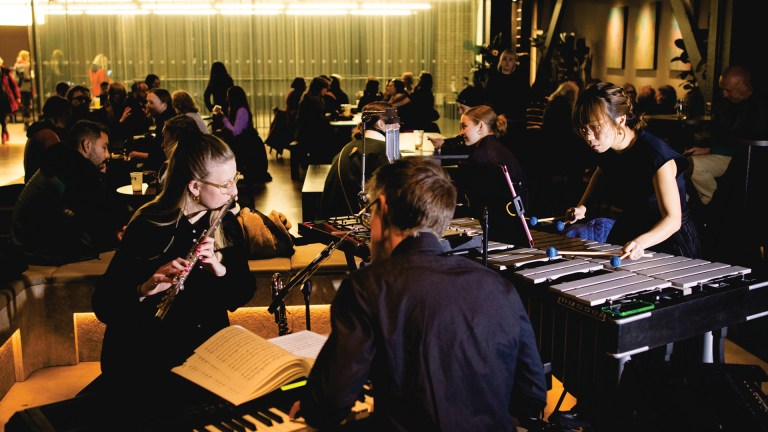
(136, 181)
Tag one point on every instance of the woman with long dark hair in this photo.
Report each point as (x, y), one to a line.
(313, 129)
(218, 83)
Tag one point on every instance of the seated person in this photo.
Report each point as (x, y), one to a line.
(342, 186)
(64, 214)
(440, 356)
(44, 133)
(468, 98)
(744, 114)
(160, 109)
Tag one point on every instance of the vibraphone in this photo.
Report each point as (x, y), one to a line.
(590, 318)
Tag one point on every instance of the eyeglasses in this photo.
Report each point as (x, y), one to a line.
(364, 215)
(223, 188)
(82, 99)
(594, 127)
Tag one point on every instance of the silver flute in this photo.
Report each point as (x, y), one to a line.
(192, 257)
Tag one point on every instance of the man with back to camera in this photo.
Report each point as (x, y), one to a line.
(65, 214)
(446, 342)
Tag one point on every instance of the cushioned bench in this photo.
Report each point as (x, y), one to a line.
(46, 317)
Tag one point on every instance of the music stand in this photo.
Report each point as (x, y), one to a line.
(492, 198)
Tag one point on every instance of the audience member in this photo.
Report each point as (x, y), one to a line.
(401, 99)
(646, 100)
(159, 109)
(243, 137)
(23, 71)
(98, 73)
(642, 174)
(742, 115)
(153, 255)
(219, 82)
(394, 322)
(408, 80)
(62, 88)
(335, 88)
(152, 81)
(313, 130)
(80, 99)
(509, 92)
(10, 97)
(470, 97)
(423, 101)
(65, 214)
(666, 100)
(137, 102)
(115, 114)
(330, 104)
(45, 132)
(184, 104)
(371, 93)
(341, 193)
(482, 130)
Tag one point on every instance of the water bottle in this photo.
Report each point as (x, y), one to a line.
(679, 107)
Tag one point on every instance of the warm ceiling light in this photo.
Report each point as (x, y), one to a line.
(381, 12)
(250, 11)
(316, 12)
(248, 7)
(322, 6)
(401, 6)
(184, 11)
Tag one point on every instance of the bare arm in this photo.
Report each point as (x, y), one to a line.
(668, 198)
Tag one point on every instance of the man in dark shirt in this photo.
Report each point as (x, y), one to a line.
(744, 116)
(445, 341)
(64, 213)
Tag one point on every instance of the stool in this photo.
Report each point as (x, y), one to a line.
(298, 156)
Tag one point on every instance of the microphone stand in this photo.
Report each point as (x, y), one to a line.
(277, 306)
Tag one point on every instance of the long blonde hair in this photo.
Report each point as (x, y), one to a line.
(191, 160)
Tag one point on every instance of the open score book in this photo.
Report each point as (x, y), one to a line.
(239, 365)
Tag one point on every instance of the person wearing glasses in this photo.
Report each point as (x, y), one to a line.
(446, 342)
(80, 99)
(642, 176)
(140, 349)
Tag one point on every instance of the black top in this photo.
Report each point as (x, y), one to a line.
(446, 343)
(138, 346)
(491, 150)
(637, 197)
(509, 95)
(340, 193)
(65, 213)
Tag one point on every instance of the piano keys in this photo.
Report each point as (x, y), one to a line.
(207, 413)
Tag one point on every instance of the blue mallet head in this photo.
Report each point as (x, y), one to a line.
(551, 252)
(560, 225)
(533, 221)
(615, 262)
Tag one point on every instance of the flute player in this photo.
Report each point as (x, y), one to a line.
(139, 349)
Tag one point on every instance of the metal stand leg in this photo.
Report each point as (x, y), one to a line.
(306, 289)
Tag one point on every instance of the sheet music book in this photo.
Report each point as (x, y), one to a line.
(238, 365)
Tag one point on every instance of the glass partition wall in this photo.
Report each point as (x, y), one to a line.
(264, 45)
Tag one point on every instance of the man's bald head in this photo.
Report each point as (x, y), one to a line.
(736, 84)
